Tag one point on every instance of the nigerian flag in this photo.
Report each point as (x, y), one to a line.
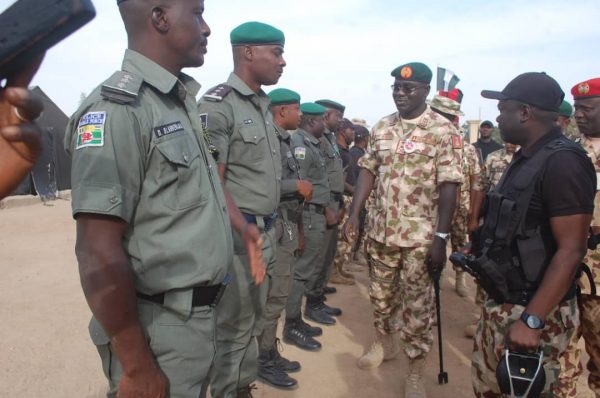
(446, 79)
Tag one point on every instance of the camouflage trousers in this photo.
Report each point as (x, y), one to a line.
(589, 329)
(344, 249)
(401, 292)
(489, 343)
(458, 234)
(589, 313)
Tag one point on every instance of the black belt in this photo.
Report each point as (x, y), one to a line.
(523, 297)
(201, 295)
(269, 221)
(319, 209)
(336, 196)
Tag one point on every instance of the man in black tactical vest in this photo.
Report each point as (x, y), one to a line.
(534, 234)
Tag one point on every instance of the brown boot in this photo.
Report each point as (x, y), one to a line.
(384, 348)
(340, 280)
(461, 284)
(413, 385)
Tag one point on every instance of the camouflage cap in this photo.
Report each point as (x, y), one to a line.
(565, 109)
(446, 105)
(283, 96)
(413, 72)
(327, 103)
(312, 109)
(256, 33)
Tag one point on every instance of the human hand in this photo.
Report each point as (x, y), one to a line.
(330, 217)
(146, 382)
(20, 136)
(305, 189)
(253, 242)
(436, 258)
(521, 338)
(350, 229)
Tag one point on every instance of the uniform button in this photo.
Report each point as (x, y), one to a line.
(185, 158)
(225, 209)
(255, 138)
(113, 200)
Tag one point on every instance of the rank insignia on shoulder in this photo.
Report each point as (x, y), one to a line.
(300, 153)
(90, 130)
(457, 142)
(216, 94)
(122, 87)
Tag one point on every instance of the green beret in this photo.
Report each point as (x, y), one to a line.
(256, 33)
(312, 109)
(282, 96)
(413, 72)
(331, 104)
(565, 109)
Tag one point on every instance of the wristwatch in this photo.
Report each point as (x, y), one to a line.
(444, 235)
(532, 321)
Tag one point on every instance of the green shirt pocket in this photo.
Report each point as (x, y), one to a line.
(181, 172)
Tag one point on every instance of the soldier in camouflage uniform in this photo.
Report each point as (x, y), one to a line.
(416, 155)
(495, 165)
(470, 189)
(587, 115)
(538, 309)
(345, 137)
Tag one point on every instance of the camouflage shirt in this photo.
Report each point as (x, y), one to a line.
(495, 165)
(470, 169)
(593, 257)
(410, 160)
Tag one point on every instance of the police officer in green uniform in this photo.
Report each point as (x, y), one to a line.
(272, 367)
(154, 237)
(308, 150)
(240, 125)
(316, 308)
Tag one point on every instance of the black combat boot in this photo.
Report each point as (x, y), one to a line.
(294, 333)
(271, 373)
(333, 311)
(284, 363)
(329, 290)
(310, 330)
(314, 311)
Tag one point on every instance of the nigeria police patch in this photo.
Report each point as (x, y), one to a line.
(300, 153)
(90, 131)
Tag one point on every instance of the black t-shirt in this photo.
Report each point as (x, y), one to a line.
(485, 148)
(353, 169)
(566, 187)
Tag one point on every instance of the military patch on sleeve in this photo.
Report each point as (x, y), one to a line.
(90, 130)
(300, 153)
(457, 142)
(204, 120)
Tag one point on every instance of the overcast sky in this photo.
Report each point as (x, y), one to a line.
(345, 49)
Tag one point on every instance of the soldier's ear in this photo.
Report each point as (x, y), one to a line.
(160, 20)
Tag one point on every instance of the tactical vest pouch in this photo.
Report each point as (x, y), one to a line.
(533, 257)
(495, 285)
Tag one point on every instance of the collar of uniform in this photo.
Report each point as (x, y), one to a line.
(308, 135)
(551, 135)
(155, 75)
(397, 118)
(241, 87)
(282, 132)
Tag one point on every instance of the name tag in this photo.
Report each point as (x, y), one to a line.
(168, 129)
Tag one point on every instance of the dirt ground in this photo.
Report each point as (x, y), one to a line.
(46, 352)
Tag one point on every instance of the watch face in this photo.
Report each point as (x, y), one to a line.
(533, 322)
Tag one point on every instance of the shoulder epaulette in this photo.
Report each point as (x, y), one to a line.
(216, 94)
(122, 87)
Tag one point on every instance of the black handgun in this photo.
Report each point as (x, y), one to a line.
(30, 27)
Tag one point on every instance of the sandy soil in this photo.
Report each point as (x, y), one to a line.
(46, 352)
